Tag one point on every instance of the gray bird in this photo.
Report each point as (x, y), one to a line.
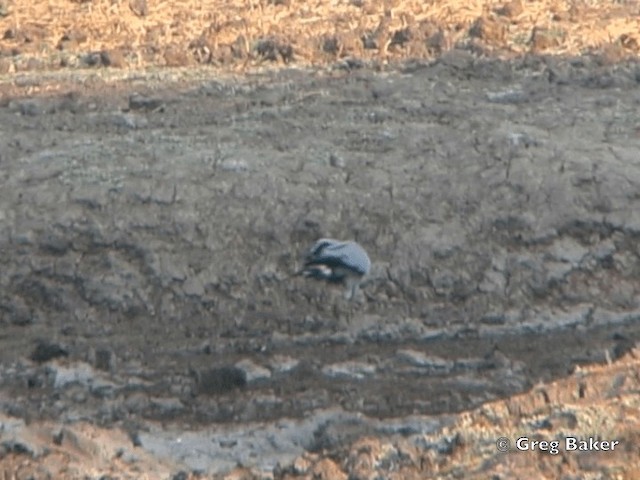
(337, 262)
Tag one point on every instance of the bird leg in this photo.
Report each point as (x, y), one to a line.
(352, 288)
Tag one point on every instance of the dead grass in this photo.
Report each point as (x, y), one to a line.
(51, 34)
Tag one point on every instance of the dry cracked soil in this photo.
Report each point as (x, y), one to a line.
(152, 221)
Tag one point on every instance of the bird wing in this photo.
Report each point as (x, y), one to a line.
(344, 255)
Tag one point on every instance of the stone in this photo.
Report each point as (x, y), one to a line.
(45, 351)
(219, 380)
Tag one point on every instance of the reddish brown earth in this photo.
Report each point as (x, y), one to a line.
(593, 402)
(164, 164)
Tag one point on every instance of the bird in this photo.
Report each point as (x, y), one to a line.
(336, 261)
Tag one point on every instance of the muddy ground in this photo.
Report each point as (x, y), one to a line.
(151, 222)
(151, 233)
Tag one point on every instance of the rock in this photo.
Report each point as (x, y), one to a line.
(511, 96)
(72, 36)
(491, 30)
(7, 65)
(623, 345)
(174, 56)
(93, 59)
(352, 370)
(16, 438)
(234, 165)
(273, 49)
(336, 161)
(142, 102)
(568, 250)
(283, 363)
(54, 242)
(76, 373)
(166, 406)
(34, 64)
(543, 38)
(129, 121)
(420, 359)
(252, 371)
(113, 58)
(401, 37)
(512, 9)
(521, 139)
(46, 351)
(28, 107)
(139, 7)
(102, 359)
(194, 287)
(137, 404)
(330, 44)
(16, 312)
(219, 380)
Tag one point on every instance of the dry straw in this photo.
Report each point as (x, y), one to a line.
(228, 32)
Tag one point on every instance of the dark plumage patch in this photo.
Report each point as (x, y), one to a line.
(322, 272)
(329, 262)
(319, 247)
